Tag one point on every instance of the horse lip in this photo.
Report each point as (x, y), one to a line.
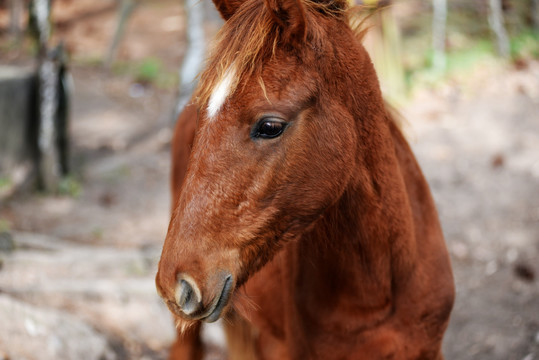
(215, 311)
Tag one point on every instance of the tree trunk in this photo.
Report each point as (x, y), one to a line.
(126, 9)
(52, 104)
(15, 9)
(439, 21)
(49, 171)
(194, 52)
(535, 14)
(496, 22)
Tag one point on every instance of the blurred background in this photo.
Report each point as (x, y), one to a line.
(89, 92)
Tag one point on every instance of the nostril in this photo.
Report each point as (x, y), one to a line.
(188, 296)
(185, 293)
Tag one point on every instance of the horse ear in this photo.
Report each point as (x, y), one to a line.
(227, 8)
(290, 16)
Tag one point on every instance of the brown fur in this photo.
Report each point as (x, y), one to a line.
(329, 231)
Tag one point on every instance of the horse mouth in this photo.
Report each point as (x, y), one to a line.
(216, 309)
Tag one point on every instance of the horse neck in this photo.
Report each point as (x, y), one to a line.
(362, 248)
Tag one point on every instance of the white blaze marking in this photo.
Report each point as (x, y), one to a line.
(221, 92)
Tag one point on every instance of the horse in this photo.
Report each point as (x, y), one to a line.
(300, 215)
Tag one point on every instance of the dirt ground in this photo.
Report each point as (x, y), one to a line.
(78, 283)
(479, 148)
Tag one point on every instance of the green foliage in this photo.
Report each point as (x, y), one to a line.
(5, 226)
(148, 71)
(70, 186)
(88, 61)
(459, 63)
(97, 233)
(470, 41)
(467, 58)
(463, 57)
(117, 175)
(5, 182)
(525, 44)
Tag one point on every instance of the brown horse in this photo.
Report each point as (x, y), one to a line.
(300, 214)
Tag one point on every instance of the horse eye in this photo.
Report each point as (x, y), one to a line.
(269, 129)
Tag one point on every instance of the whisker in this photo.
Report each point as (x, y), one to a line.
(244, 304)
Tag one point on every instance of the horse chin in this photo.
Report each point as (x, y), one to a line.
(183, 325)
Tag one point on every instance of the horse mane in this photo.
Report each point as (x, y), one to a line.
(251, 36)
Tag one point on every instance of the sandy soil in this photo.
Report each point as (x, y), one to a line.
(83, 264)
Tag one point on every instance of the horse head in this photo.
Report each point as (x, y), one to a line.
(276, 144)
